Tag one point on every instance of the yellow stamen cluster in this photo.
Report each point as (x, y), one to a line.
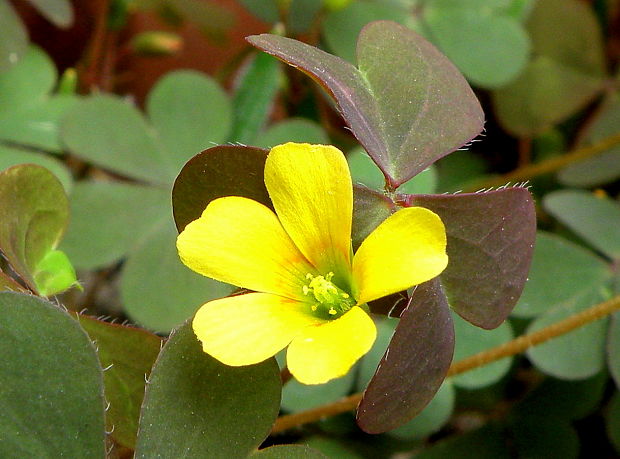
(327, 295)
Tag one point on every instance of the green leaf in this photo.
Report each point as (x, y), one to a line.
(298, 130)
(471, 340)
(191, 113)
(369, 363)
(613, 348)
(332, 448)
(365, 172)
(54, 273)
(58, 12)
(596, 220)
(484, 443)
(613, 421)
(183, 414)
(299, 397)
(157, 290)
(288, 452)
(604, 167)
(128, 354)
(458, 170)
(490, 242)
(565, 74)
(109, 218)
(341, 27)
(399, 74)
(51, 403)
(112, 134)
(13, 156)
(254, 97)
(13, 37)
(489, 48)
(551, 283)
(540, 435)
(432, 418)
(34, 212)
(575, 355)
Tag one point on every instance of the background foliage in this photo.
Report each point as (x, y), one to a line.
(113, 97)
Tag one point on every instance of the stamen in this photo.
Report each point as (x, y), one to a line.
(331, 300)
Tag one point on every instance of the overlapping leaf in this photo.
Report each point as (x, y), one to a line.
(51, 402)
(188, 112)
(395, 98)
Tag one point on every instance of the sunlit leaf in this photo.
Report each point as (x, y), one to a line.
(51, 402)
(128, 354)
(394, 101)
(414, 365)
(595, 219)
(490, 243)
(34, 211)
(183, 414)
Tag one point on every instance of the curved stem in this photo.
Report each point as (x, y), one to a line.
(508, 349)
(530, 171)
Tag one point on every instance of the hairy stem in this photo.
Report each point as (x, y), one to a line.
(530, 171)
(508, 349)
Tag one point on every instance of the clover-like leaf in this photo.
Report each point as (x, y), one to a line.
(51, 402)
(35, 212)
(128, 354)
(406, 379)
(184, 414)
(490, 243)
(406, 103)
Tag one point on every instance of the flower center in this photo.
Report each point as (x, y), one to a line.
(329, 298)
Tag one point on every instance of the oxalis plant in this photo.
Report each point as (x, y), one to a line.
(348, 280)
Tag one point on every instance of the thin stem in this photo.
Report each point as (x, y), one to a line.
(550, 165)
(508, 349)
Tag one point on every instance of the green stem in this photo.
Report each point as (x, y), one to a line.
(508, 349)
(530, 171)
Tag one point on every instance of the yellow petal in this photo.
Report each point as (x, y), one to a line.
(247, 329)
(329, 350)
(310, 187)
(408, 248)
(241, 242)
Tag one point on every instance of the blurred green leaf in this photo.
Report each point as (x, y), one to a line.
(299, 397)
(457, 170)
(302, 14)
(29, 114)
(183, 414)
(540, 435)
(254, 97)
(596, 220)
(552, 282)
(109, 218)
(613, 421)
(10, 156)
(13, 37)
(471, 340)
(489, 48)
(613, 348)
(332, 448)
(34, 211)
(369, 363)
(288, 452)
(604, 167)
(51, 402)
(565, 74)
(266, 10)
(59, 12)
(158, 291)
(576, 355)
(364, 171)
(432, 418)
(190, 113)
(128, 354)
(370, 208)
(341, 27)
(298, 130)
(399, 74)
(485, 443)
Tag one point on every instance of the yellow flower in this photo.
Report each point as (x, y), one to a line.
(310, 291)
